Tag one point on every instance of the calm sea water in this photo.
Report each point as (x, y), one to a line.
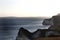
(9, 32)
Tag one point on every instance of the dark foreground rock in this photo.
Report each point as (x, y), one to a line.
(26, 35)
(23, 34)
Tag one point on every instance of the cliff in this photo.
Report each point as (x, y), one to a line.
(56, 23)
(47, 22)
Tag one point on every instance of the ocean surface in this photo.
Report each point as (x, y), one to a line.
(9, 31)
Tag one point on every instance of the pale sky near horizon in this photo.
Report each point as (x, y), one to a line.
(29, 8)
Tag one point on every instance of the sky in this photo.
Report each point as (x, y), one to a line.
(29, 8)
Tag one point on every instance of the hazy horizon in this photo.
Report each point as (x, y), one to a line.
(29, 8)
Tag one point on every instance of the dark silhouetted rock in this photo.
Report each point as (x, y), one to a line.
(51, 33)
(56, 23)
(47, 22)
(26, 35)
(36, 34)
(23, 34)
(56, 20)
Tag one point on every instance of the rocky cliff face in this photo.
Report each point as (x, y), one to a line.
(47, 22)
(56, 23)
(56, 20)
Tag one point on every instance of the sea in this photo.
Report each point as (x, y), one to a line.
(9, 26)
